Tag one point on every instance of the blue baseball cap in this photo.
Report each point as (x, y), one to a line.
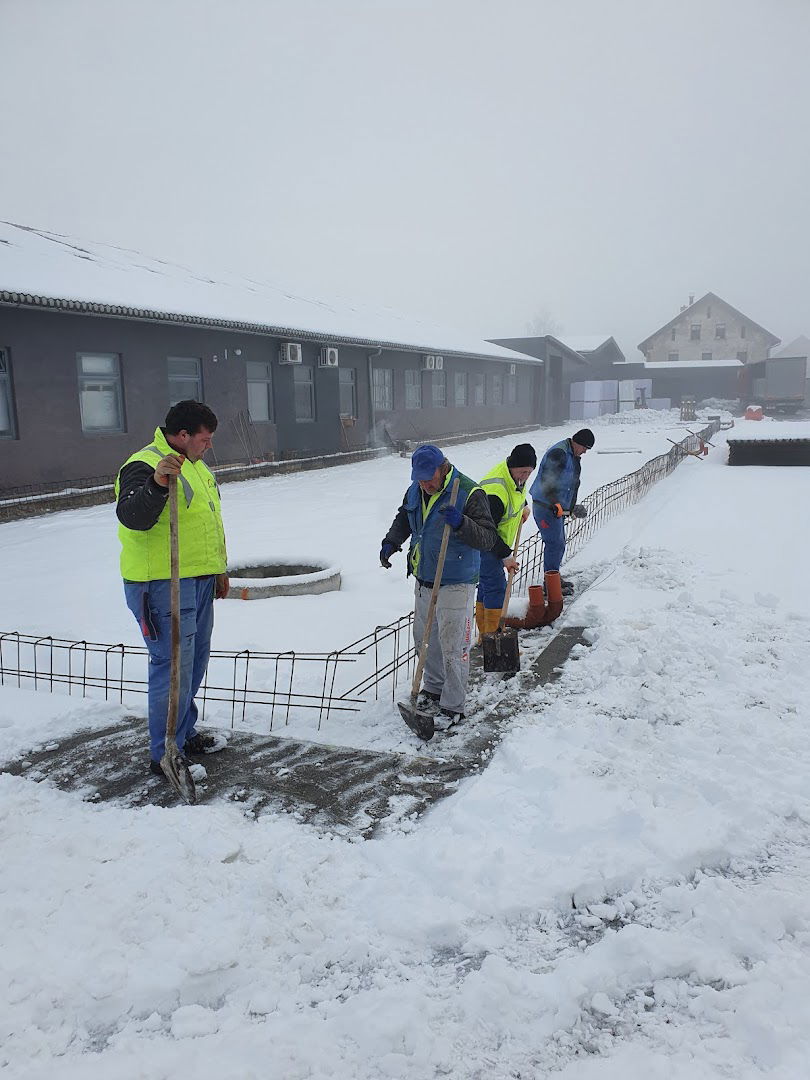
(425, 460)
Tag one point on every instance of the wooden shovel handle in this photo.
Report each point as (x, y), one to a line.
(174, 554)
(510, 577)
(434, 596)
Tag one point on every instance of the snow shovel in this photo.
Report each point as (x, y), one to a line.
(172, 762)
(421, 723)
(501, 649)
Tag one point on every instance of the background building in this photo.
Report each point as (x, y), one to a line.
(96, 343)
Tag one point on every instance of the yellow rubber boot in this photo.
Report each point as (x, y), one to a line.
(479, 620)
(492, 617)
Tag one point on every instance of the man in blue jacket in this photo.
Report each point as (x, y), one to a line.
(422, 516)
(554, 493)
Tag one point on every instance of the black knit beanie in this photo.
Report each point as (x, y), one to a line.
(522, 457)
(584, 437)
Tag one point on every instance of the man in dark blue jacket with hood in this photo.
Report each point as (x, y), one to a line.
(554, 494)
(422, 516)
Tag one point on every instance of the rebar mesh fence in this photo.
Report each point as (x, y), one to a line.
(271, 689)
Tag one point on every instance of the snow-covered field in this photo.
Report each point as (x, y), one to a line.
(622, 893)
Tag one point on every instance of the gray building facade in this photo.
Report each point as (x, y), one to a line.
(83, 385)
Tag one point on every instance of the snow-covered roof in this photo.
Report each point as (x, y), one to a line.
(800, 346)
(658, 365)
(58, 271)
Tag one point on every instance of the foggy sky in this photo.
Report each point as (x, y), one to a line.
(473, 163)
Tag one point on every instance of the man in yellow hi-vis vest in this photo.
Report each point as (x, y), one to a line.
(505, 486)
(142, 493)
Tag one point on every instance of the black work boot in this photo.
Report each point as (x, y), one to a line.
(199, 743)
(444, 720)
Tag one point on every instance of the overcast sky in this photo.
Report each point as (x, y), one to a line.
(474, 163)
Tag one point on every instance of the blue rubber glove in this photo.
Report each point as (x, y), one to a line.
(386, 551)
(452, 515)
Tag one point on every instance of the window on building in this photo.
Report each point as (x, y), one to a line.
(720, 330)
(743, 356)
(510, 389)
(460, 389)
(476, 389)
(100, 397)
(382, 386)
(304, 387)
(673, 358)
(185, 380)
(708, 312)
(694, 332)
(413, 389)
(705, 356)
(439, 389)
(672, 334)
(7, 427)
(347, 384)
(742, 331)
(496, 389)
(259, 391)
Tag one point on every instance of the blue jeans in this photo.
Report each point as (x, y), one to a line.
(150, 603)
(553, 533)
(492, 581)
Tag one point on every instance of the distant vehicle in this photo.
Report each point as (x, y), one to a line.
(777, 384)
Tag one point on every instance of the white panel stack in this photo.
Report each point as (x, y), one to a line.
(627, 395)
(593, 398)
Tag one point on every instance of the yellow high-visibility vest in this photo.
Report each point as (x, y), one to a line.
(499, 482)
(145, 554)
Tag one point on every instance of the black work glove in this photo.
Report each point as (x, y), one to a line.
(579, 510)
(386, 551)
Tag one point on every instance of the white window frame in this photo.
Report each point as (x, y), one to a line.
(460, 384)
(347, 377)
(304, 376)
(413, 388)
(7, 395)
(105, 382)
(198, 396)
(382, 388)
(438, 390)
(262, 382)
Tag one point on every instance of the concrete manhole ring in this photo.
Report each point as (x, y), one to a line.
(286, 577)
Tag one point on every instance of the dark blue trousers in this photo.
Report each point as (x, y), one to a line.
(553, 533)
(492, 581)
(150, 603)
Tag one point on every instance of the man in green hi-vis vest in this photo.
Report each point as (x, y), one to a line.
(142, 493)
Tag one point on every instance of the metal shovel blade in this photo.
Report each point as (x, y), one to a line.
(501, 650)
(420, 723)
(178, 775)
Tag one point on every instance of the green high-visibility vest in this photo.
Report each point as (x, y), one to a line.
(499, 482)
(145, 554)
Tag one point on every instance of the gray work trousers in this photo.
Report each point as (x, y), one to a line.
(447, 668)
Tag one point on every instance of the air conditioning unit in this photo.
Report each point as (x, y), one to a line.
(513, 369)
(429, 363)
(439, 363)
(291, 353)
(329, 356)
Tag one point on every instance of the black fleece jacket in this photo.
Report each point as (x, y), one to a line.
(141, 500)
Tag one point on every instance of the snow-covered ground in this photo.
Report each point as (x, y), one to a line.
(621, 894)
